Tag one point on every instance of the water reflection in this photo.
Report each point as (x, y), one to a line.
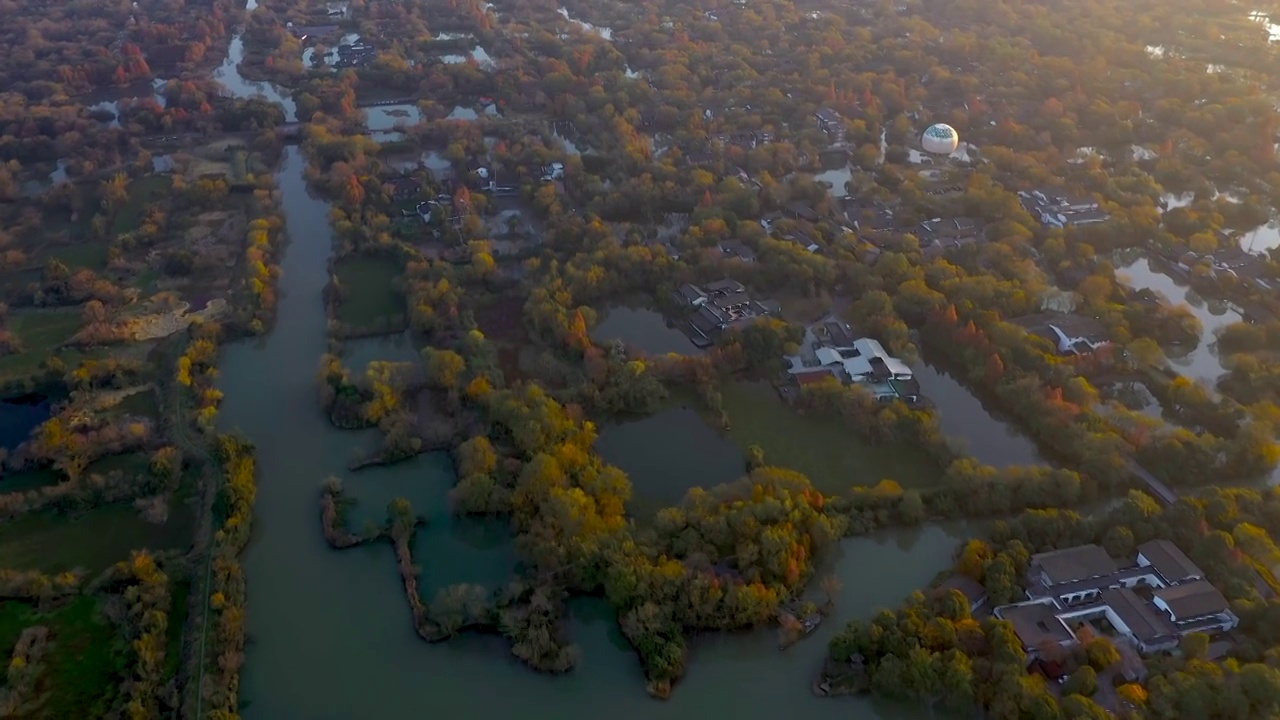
(479, 54)
(229, 75)
(644, 330)
(19, 416)
(1202, 362)
(115, 100)
(667, 454)
(963, 417)
(432, 160)
(837, 180)
(1262, 239)
(358, 353)
(58, 176)
(569, 145)
(391, 117)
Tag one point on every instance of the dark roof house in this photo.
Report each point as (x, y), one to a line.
(1191, 601)
(1169, 561)
(1073, 564)
(1071, 334)
(737, 250)
(828, 119)
(1148, 627)
(691, 294)
(1036, 624)
(800, 211)
(404, 187)
(727, 286)
(803, 240)
(967, 586)
(1084, 584)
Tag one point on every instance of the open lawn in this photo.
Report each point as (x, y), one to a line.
(85, 662)
(141, 404)
(833, 456)
(91, 255)
(368, 293)
(179, 594)
(93, 540)
(143, 192)
(128, 463)
(239, 166)
(28, 480)
(39, 331)
(58, 220)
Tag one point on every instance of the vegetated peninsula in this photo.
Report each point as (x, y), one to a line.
(629, 332)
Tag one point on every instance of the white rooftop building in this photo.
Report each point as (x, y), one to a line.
(863, 361)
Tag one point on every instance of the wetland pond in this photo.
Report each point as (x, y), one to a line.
(965, 418)
(644, 330)
(19, 416)
(1201, 362)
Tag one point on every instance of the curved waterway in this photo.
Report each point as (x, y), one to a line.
(331, 635)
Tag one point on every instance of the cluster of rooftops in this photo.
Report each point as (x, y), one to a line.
(721, 305)
(1151, 601)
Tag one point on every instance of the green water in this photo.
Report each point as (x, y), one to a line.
(666, 454)
(330, 632)
(643, 330)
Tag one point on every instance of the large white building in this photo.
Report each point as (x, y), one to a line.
(862, 361)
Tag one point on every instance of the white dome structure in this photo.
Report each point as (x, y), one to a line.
(940, 139)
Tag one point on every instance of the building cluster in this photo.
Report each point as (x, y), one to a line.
(356, 54)
(1071, 334)
(877, 223)
(721, 305)
(940, 235)
(1150, 602)
(307, 32)
(830, 122)
(746, 140)
(1230, 261)
(1054, 210)
(831, 351)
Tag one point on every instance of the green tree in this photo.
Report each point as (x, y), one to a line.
(1102, 653)
(1084, 681)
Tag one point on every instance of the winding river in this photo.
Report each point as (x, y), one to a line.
(331, 635)
(330, 632)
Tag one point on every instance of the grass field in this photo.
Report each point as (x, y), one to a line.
(833, 456)
(143, 192)
(91, 255)
(179, 594)
(29, 480)
(141, 404)
(85, 662)
(93, 540)
(239, 166)
(39, 331)
(126, 463)
(368, 292)
(59, 220)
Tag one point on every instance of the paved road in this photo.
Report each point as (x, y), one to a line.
(1159, 489)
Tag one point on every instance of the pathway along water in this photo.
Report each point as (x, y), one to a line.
(330, 632)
